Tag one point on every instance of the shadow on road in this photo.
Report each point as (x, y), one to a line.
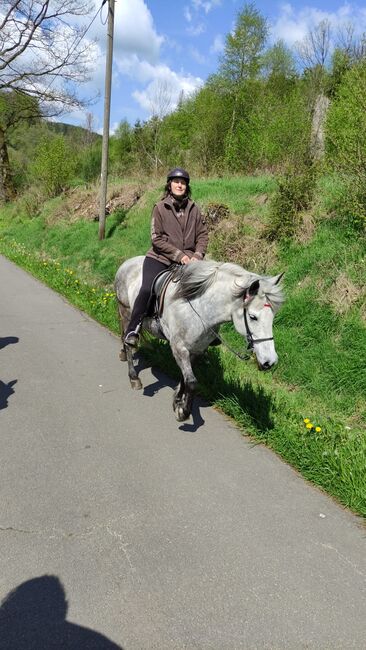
(7, 340)
(32, 617)
(162, 381)
(5, 391)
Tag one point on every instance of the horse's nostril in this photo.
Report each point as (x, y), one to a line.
(266, 366)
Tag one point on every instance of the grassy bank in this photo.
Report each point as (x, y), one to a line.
(320, 332)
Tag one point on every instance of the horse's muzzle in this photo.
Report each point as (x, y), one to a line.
(267, 365)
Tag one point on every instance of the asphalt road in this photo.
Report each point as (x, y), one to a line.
(120, 528)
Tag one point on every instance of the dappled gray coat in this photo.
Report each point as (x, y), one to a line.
(175, 233)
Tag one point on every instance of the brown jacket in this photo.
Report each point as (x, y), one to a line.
(174, 235)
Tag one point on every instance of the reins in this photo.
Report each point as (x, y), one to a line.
(242, 357)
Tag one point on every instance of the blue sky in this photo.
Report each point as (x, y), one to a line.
(162, 48)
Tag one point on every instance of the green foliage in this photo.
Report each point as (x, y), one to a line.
(294, 194)
(30, 202)
(279, 64)
(346, 143)
(54, 165)
(120, 148)
(244, 46)
(89, 163)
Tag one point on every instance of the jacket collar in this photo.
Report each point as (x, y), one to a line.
(169, 202)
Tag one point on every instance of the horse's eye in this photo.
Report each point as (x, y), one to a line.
(252, 317)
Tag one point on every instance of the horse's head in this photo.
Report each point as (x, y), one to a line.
(253, 317)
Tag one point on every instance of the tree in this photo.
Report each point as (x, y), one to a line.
(242, 58)
(160, 105)
(346, 141)
(279, 63)
(14, 108)
(43, 55)
(315, 48)
(54, 164)
(120, 151)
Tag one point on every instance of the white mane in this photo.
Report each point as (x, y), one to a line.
(193, 280)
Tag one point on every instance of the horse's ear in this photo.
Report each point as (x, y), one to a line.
(278, 278)
(251, 291)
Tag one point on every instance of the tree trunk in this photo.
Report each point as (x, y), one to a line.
(317, 127)
(7, 192)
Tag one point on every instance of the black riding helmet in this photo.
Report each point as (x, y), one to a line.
(178, 172)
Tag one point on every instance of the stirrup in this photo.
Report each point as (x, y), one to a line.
(131, 339)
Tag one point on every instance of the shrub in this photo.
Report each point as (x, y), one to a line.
(54, 165)
(30, 203)
(294, 195)
(89, 164)
(346, 143)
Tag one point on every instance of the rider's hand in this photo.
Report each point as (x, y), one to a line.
(185, 259)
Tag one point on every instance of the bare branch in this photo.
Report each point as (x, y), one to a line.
(40, 45)
(314, 49)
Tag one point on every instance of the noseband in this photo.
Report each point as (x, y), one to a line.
(249, 335)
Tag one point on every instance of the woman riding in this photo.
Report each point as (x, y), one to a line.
(178, 235)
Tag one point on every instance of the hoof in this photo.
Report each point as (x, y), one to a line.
(136, 384)
(181, 414)
(123, 355)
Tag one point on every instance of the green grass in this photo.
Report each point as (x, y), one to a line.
(322, 353)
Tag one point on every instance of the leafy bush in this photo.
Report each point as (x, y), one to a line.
(346, 143)
(30, 203)
(89, 164)
(294, 194)
(54, 165)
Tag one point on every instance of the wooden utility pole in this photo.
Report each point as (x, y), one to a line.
(107, 111)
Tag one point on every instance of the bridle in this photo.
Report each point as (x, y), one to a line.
(251, 341)
(249, 335)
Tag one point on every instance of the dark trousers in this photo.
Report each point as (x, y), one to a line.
(151, 268)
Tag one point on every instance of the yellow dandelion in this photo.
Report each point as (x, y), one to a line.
(318, 429)
(306, 420)
(309, 425)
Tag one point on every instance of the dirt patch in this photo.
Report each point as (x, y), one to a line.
(214, 213)
(343, 294)
(260, 199)
(83, 204)
(306, 229)
(236, 242)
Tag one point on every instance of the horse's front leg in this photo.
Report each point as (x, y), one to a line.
(126, 352)
(183, 395)
(124, 317)
(134, 378)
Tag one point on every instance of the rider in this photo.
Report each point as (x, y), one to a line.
(178, 235)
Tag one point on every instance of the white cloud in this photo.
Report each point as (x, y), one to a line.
(196, 30)
(218, 45)
(293, 24)
(206, 5)
(197, 56)
(173, 83)
(134, 31)
(187, 14)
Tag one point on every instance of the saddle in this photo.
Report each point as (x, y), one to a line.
(158, 290)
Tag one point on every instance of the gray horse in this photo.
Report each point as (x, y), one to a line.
(202, 297)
